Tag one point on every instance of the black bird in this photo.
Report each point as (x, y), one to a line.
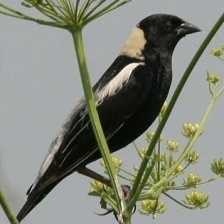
(129, 95)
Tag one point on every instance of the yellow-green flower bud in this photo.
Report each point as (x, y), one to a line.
(197, 199)
(213, 78)
(218, 52)
(189, 129)
(172, 145)
(178, 169)
(96, 187)
(149, 207)
(217, 167)
(192, 156)
(117, 162)
(192, 180)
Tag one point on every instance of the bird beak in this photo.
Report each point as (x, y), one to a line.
(187, 28)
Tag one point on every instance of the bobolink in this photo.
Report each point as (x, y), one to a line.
(129, 97)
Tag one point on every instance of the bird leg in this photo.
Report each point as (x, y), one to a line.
(94, 175)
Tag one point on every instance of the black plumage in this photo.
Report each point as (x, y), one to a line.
(129, 95)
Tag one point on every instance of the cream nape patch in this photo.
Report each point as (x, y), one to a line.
(114, 85)
(135, 44)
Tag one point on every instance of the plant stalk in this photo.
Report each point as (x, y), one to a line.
(94, 118)
(198, 133)
(139, 183)
(190, 143)
(7, 209)
(126, 220)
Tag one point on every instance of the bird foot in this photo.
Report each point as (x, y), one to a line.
(126, 191)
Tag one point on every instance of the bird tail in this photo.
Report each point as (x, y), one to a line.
(35, 195)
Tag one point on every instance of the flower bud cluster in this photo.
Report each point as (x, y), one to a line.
(213, 78)
(192, 156)
(117, 163)
(197, 199)
(217, 167)
(190, 129)
(172, 145)
(218, 52)
(192, 180)
(96, 188)
(149, 207)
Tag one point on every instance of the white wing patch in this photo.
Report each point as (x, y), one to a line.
(117, 82)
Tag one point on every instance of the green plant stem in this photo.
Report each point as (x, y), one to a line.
(8, 211)
(94, 118)
(188, 147)
(127, 220)
(19, 15)
(110, 7)
(185, 187)
(197, 134)
(139, 183)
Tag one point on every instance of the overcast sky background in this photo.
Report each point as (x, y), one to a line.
(39, 84)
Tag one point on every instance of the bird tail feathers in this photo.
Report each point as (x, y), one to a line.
(35, 195)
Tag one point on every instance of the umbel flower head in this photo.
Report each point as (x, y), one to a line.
(190, 129)
(172, 145)
(65, 14)
(149, 207)
(217, 167)
(213, 78)
(117, 163)
(218, 52)
(96, 188)
(192, 180)
(192, 156)
(197, 199)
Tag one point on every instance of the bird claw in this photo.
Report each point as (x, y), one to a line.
(126, 193)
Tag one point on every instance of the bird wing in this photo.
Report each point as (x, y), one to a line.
(75, 145)
(117, 100)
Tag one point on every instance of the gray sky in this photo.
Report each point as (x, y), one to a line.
(39, 84)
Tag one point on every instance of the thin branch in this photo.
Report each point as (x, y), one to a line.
(185, 187)
(125, 178)
(111, 7)
(84, 8)
(19, 15)
(7, 209)
(178, 202)
(95, 121)
(127, 172)
(77, 9)
(94, 9)
(192, 141)
(49, 12)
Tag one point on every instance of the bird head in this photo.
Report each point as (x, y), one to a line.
(164, 31)
(160, 32)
